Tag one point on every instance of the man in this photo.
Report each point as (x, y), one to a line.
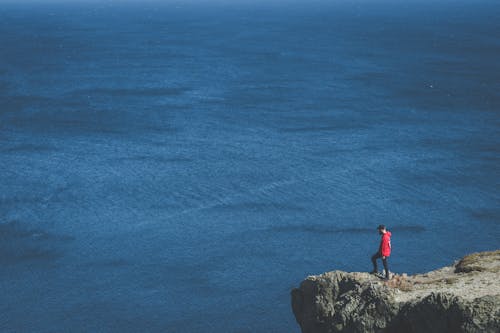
(384, 251)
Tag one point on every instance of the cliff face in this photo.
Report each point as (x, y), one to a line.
(464, 297)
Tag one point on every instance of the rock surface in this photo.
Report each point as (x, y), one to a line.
(464, 297)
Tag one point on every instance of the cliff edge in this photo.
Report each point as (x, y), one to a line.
(464, 297)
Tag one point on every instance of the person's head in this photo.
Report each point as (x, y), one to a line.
(381, 229)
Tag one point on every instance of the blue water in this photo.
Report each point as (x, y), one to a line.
(180, 166)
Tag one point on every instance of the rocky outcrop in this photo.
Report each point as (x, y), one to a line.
(464, 297)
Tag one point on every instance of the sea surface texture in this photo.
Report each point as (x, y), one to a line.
(180, 166)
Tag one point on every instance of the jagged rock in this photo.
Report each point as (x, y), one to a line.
(461, 298)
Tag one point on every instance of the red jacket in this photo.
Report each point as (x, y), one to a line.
(385, 244)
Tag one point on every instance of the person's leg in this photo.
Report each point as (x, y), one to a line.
(386, 267)
(374, 262)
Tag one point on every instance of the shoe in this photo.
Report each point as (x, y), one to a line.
(374, 272)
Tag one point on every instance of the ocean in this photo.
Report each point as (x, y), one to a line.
(180, 166)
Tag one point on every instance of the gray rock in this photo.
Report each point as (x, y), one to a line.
(358, 302)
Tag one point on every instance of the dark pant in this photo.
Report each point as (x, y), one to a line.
(384, 261)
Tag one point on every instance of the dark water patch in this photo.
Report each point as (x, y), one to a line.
(77, 115)
(120, 92)
(368, 77)
(324, 229)
(258, 207)
(11, 255)
(319, 229)
(14, 230)
(491, 215)
(85, 120)
(4, 86)
(429, 142)
(110, 263)
(21, 200)
(407, 228)
(314, 129)
(63, 125)
(151, 158)
(490, 147)
(326, 120)
(412, 201)
(86, 126)
(33, 198)
(463, 144)
(19, 244)
(166, 128)
(348, 150)
(443, 97)
(451, 178)
(13, 103)
(29, 148)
